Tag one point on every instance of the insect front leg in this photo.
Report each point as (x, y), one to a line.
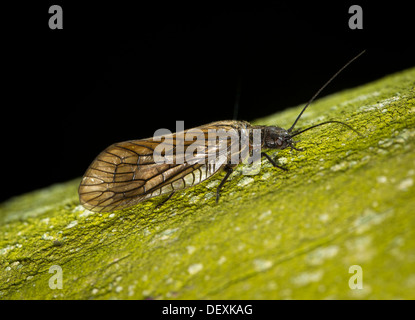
(228, 169)
(263, 154)
(294, 148)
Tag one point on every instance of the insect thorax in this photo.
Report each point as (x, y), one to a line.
(273, 137)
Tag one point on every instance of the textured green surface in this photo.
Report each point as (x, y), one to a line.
(346, 200)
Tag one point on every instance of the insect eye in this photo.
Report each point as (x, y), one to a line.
(279, 142)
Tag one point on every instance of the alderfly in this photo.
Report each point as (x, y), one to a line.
(130, 172)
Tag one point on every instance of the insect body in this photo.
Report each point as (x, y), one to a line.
(127, 173)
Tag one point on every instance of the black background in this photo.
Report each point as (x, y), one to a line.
(119, 71)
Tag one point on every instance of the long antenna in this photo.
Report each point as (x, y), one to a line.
(325, 122)
(321, 89)
(237, 100)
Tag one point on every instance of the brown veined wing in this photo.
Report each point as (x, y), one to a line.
(126, 173)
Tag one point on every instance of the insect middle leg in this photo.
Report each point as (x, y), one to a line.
(228, 169)
(263, 154)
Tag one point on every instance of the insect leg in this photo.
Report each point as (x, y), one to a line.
(263, 154)
(165, 200)
(296, 149)
(228, 170)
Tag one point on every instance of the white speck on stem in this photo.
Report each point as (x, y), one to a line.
(245, 181)
(212, 184)
(190, 249)
(46, 236)
(195, 268)
(221, 260)
(209, 195)
(283, 160)
(167, 233)
(338, 167)
(382, 179)
(266, 175)
(72, 224)
(319, 255)
(46, 220)
(262, 265)
(307, 277)
(405, 184)
(264, 214)
(324, 217)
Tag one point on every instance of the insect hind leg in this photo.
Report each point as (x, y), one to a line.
(165, 200)
(228, 170)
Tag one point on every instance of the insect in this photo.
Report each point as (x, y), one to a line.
(126, 173)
